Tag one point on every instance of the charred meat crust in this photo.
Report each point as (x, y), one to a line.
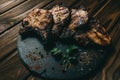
(96, 34)
(81, 28)
(79, 20)
(61, 15)
(38, 20)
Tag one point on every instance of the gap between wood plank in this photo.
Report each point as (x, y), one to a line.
(3, 1)
(8, 7)
(46, 2)
(6, 3)
(108, 15)
(12, 68)
(95, 14)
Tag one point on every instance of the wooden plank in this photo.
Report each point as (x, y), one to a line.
(9, 5)
(15, 15)
(115, 33)
(21, 16)
(63, 2)
(4, 1)
(91, 5)
(109, 14)
(113, 64)
(20, 9)
(110, 70)
(8, 39)
(12, 68)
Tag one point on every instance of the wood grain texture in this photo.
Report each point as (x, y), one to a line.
(115, 33)
(108, 72)
(91, 5)
(63, 2)
(16, 14)
(109, 14)
(111, 69)
(11, 68)
(9, 5)
(8, 39)
(3, 1)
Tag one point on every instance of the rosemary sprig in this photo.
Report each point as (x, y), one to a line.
(55, 51)
(66, 56)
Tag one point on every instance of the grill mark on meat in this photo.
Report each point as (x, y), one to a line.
(37, 20)
(98, 34)
(60, 16)
(79, 19)
(81, 29)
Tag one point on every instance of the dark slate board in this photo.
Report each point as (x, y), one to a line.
(42, 63)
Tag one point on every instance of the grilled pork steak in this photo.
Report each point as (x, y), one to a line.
(96, 34)
(79, 17)
(38, 20)
(78, 20)
(60, 16)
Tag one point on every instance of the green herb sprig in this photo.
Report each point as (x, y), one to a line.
(66, 55)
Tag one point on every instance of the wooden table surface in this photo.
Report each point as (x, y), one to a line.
(13, 11)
